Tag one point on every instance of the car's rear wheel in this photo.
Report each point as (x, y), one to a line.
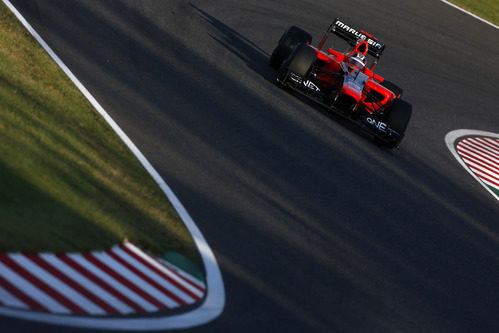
(301, 60)
(393, 87)
(291, 37)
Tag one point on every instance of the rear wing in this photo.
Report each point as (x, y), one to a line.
(352, 36)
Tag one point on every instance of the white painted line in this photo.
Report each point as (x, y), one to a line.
(214, 300)
(470, 13)
(450, 140)
(86, 283)
(32, 291)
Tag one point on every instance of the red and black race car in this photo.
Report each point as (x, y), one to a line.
(344, 82)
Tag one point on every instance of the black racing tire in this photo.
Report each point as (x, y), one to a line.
(301, 60)
(289, 39)
(399, 115)
(393, 87)
(398, 118)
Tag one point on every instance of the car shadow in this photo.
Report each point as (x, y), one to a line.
(243, 48)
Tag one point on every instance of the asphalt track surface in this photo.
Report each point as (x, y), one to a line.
(316, 229)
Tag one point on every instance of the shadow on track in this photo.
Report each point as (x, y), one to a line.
(238, 45)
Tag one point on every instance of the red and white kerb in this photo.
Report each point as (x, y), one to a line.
(478, 153)
(122, 280)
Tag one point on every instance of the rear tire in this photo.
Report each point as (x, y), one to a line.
(291, 37)
(301, 60)
(393, 88)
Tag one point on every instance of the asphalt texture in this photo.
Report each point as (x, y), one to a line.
(315, 228)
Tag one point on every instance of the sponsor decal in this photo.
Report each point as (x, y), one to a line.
(360, 35)
(379, 125)
(306, 83)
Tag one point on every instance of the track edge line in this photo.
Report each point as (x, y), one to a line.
(470, 13)
(214, 302)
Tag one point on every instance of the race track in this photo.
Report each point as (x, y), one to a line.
(315, 228)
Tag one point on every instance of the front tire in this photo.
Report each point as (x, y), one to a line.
(399, 115)
(301, 60)
(291, 37)
(398, 119)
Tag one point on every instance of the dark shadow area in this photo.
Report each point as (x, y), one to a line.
(315, 228)
(243, 48)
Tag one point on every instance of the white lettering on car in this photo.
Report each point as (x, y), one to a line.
(358, 34)
(378, 124)
(307, 84)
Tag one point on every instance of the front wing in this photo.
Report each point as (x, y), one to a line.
(368, 122)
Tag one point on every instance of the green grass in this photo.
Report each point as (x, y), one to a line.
(67, 182)
(486, 9)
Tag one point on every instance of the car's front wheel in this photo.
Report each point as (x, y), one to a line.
(301, 60)
(398, 118)
(289, 39)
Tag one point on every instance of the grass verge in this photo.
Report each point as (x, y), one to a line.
(68, 183)
(486, 9)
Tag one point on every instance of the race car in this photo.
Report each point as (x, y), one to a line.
(343, 82)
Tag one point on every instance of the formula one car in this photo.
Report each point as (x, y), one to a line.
(344, 82)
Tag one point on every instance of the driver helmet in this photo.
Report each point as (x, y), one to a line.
(357, 60)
